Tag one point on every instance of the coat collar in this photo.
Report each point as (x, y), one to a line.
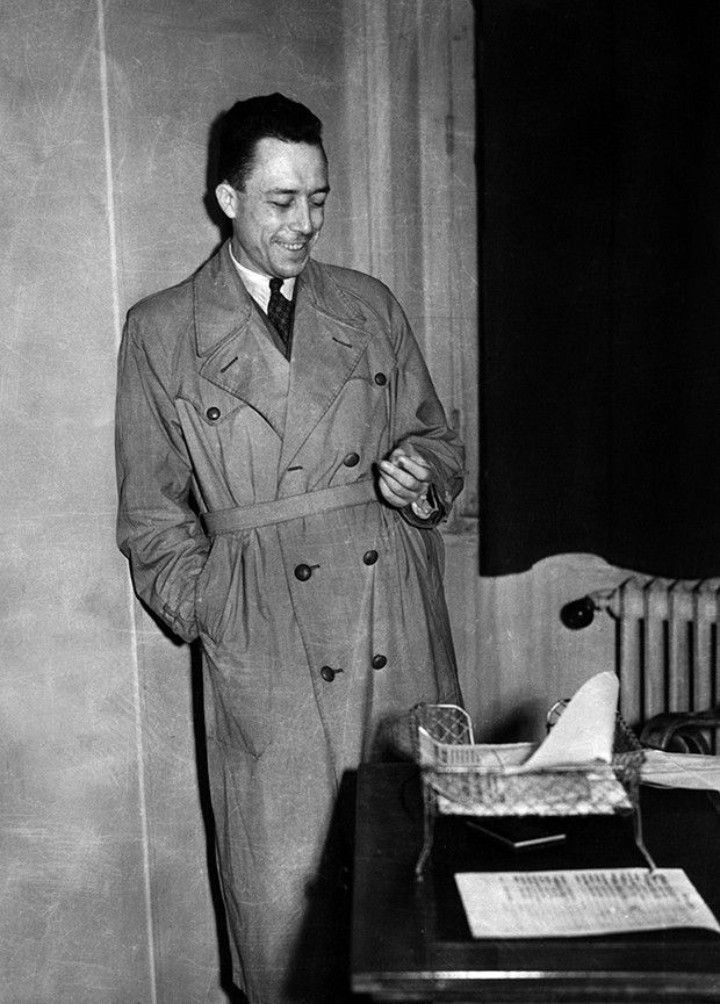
(331, 331)
(222, 304)
(224, 307)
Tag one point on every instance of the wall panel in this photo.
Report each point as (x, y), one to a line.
(72, 902)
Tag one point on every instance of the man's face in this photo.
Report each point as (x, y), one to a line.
(279, 214)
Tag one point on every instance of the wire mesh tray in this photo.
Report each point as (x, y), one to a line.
(462, 778)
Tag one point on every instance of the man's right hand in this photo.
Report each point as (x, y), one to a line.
(404, 478)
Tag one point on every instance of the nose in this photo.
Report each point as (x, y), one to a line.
(302, 221)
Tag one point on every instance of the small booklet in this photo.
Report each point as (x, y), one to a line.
(562, 904)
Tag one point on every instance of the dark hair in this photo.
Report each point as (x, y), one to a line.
(268, 116)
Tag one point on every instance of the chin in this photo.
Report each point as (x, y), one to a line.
(291, 271)
(289, 266)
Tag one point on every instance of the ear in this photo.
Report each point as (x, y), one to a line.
(227, 199)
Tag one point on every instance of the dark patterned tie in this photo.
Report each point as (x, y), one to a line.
(280, 313)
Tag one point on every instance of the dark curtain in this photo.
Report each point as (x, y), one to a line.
(599, 165)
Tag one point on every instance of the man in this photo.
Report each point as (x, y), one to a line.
(302, 425)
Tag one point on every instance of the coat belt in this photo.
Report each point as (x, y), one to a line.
(281, 510)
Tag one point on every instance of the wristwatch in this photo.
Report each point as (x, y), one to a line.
(423, 507)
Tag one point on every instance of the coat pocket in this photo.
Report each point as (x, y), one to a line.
(218, 580)
(235, 653)
(239, 696)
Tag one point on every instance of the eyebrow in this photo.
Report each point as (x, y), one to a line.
(294, 191)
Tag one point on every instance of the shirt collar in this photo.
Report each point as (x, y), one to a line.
(258, 284)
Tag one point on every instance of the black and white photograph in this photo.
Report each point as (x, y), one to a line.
(360, 571)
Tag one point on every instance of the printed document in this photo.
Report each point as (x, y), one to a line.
(560, 904)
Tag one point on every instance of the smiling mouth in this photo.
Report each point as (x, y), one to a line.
(293, 247)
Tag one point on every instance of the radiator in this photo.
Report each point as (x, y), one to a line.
(667, 644)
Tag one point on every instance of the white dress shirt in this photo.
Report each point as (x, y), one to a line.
(258, 284)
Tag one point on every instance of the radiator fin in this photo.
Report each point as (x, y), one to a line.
(668, 645)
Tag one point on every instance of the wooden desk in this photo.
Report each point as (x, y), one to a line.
(411, 940)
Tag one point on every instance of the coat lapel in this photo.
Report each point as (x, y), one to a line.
(329, 337)
(232, 340)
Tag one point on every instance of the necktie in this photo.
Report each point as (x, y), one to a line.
(280, 313)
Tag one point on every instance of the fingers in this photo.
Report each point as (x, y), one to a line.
(393, 491)
(413, 464)
(403, 478)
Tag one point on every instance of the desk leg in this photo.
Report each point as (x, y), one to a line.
(428, 833)
(637, 830)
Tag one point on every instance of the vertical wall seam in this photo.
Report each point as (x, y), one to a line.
(109, 181)
(457, 341)
(117, 327)
(368, 152)
(377, 100)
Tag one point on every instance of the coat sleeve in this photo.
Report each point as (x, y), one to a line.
(420, 424)
(157, 528)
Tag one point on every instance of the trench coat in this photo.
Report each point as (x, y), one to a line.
(316, 631)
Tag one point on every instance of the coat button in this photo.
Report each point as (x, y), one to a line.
(352, 460)
(328, 673)
(379, 661)
(380, 379)
(213, 414)
(303, 572)
(370, 557)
